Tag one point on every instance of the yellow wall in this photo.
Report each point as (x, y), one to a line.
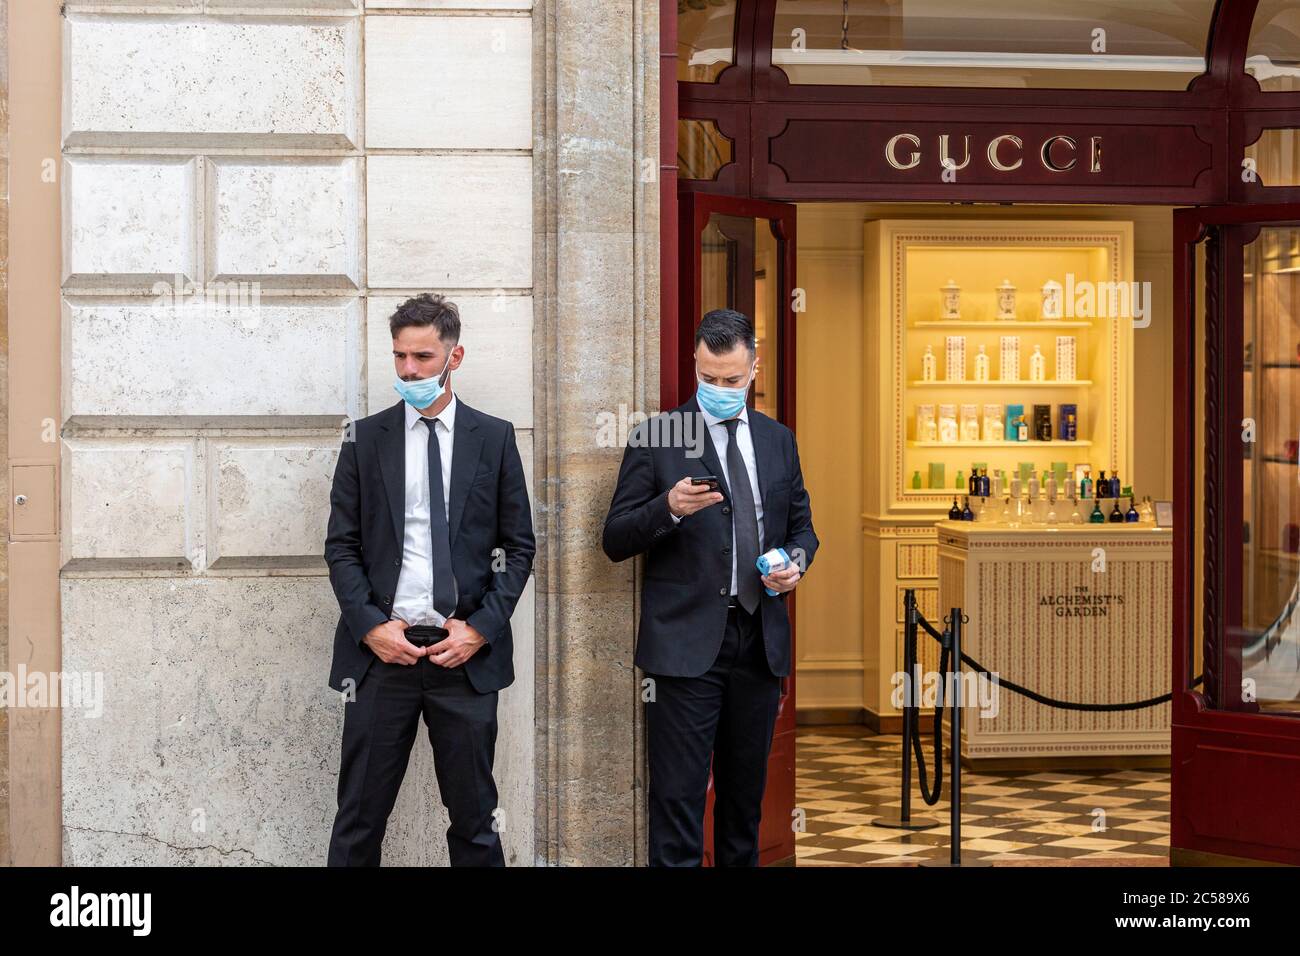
(830, 412)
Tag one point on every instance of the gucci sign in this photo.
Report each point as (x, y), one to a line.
(1006, 153)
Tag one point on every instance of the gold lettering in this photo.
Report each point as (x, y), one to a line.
(893, 143)
(1046, 153)
(995, 162)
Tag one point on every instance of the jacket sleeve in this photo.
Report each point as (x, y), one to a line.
(343, 546)
(638, 513)
(515, 530)
(800, 539)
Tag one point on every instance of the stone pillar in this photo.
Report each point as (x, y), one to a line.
(597, 254)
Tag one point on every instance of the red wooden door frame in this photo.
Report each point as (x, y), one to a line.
(677, 384)
(1233, 772)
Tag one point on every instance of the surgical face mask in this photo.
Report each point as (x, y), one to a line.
(720, 401)
(425, 391)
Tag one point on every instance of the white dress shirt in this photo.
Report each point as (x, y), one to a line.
(745, 442)
(413, 601)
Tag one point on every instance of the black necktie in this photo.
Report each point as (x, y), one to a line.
(745, 522)
(444, 584)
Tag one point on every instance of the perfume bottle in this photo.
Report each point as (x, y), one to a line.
(1116, 512)
(1050, 481)
(961, 480)
(954, 513)
(1037, 365)
(1116, 489)
(928, 365)
(1103, 486)
(1096, 517)
(1085, 485)
(1131, 516)
(981, 366)
(1022, 429)
(985, 488)
(1033, 486)
(1075, 516)
(1006, 510)
(966, 513)
(1147, 512)
(973, 482)
(916, 480)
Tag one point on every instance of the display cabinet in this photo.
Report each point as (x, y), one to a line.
(1063, 289)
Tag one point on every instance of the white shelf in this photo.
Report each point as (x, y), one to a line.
(1054, 443)
(1002, 324)
(1049, 383)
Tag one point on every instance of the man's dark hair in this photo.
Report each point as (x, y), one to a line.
(428, 308)
(723, 329)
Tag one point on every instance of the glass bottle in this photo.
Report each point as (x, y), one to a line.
(916, 480)
(1103, 486)
(1096, 517)
(954, 513)
(1116, 512)
(1075, 516)
(1131, 516)
(1085, 485)
(966, 513)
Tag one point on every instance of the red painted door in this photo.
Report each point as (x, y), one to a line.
(1236, 738)
(739, 254)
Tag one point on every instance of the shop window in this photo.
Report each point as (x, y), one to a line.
(1275, 157)
(701, 149)
(1273, 53)
(1265, 637)
(1034, 44)
(705, 39)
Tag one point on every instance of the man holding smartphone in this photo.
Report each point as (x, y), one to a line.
(711, 638)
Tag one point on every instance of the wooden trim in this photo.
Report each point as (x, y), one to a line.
(35, 264)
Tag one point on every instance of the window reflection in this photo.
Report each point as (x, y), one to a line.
(1268, 639)
(1135, 44)
(1273, 53)
(705, 32)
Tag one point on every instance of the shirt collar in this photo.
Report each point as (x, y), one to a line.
(447, 415)
(712, 420)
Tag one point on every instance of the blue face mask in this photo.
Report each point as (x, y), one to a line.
(425, 391)
(719, 401)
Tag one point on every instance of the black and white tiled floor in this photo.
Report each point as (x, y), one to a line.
(846, 778)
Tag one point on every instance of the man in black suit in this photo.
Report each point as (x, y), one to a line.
(711, 638)
(429, 545)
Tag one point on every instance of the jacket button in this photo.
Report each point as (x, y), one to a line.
(726, 551)
(722, 591)
(397, 562)
(726, 511)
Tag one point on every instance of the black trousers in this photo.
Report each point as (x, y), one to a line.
(378, 730)
(728, 713)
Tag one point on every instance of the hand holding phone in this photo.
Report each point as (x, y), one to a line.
(693, 494)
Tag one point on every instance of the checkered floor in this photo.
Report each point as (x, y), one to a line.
(846, 778)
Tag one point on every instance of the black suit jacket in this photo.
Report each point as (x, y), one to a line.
(488, 509)
(687, 579)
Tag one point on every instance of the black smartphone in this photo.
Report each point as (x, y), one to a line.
(710, 480)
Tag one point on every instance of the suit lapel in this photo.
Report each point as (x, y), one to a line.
(466, 446)
(762, 435)
(392, 464)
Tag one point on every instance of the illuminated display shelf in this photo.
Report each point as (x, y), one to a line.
(1027, 445)
(908, 262)
(1050, 383)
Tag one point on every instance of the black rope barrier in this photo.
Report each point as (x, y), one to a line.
(950, 646)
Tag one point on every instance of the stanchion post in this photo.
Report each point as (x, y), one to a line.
(911, 721)
(954, 745)
(909, 698)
